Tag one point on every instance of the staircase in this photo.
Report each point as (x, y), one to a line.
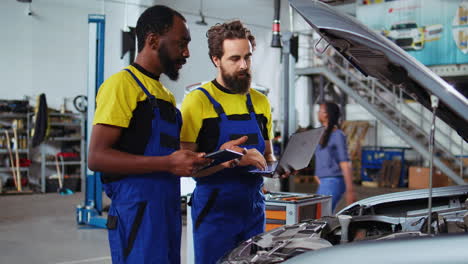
(387, 104)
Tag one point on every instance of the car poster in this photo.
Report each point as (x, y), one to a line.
(433, 31)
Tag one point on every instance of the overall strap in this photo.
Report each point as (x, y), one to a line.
(250, 107)
(151, 97)
(217, 106)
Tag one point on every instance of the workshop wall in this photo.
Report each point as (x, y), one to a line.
(47, 52)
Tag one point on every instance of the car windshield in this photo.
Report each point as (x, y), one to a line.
(404, 26)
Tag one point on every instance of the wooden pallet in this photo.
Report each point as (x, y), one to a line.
(355, 132)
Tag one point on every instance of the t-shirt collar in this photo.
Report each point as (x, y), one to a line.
(222, 88)
(145, 72)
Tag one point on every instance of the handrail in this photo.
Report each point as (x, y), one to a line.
(413, 142)
(423, 117)
(402, 119)
(440, 133)
(358, 79)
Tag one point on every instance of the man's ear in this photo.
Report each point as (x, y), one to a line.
(216, 60)
(152, 40)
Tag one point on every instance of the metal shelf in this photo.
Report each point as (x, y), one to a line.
(65, 139)
(65, 124)
(13, 115)
(8, 169)
(75, 115)
(18, 130)
(5, 151)
(24, 121)
(50, 163)
(70, 121)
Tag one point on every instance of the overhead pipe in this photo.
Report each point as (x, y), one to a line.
(276, 38)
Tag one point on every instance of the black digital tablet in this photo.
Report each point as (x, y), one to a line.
(222, 155)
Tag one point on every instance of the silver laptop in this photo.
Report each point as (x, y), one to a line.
(297, 154)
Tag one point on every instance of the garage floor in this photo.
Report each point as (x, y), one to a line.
(41, 228)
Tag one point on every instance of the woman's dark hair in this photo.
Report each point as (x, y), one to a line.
(157, 19)
(220, 32)
(333, 112)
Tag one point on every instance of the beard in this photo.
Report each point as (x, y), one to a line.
(169, 64)
(238, 82)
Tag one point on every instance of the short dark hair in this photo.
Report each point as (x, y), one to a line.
(157, 19)
(229, 30)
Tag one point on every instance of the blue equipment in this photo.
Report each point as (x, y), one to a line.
(89, 213)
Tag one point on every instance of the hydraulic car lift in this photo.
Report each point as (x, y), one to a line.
(89, 213)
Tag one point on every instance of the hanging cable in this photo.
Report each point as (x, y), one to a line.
(202, 17)
(125, 27)
(291, 19)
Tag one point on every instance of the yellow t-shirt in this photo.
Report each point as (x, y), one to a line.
(119, 96)
(200, 120)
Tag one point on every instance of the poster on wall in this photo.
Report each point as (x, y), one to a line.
(435, 32)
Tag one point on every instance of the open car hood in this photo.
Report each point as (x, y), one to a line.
(374, 55)
(394, 202)
(396, 217)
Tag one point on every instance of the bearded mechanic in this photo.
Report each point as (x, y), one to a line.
(228, 206)
(135, 144)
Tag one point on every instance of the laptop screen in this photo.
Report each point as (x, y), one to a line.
(298, 152)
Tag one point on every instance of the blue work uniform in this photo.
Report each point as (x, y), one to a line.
(144, 219)
(228, 207)
(327, 166)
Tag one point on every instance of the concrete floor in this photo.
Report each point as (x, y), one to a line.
(41, 228)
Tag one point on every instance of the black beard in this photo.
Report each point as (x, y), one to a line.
(235, 83)
(169, 65)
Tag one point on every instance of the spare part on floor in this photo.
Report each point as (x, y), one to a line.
(60, 177)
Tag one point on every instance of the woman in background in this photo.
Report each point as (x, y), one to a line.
(332, 165)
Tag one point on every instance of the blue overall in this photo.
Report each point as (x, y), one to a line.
(144, 218)
(334, 186)
(228, 207)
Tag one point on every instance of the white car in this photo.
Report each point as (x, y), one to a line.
(391, 228)
(407, 35)
(373, 227)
